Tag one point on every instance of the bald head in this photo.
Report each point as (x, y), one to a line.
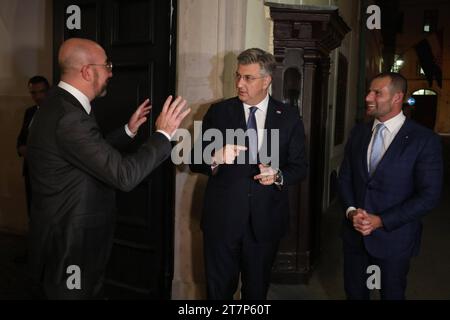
(75, 53)
(83, 65)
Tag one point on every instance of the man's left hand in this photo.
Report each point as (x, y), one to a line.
(139, 116)
(267, 175)
(370, 223)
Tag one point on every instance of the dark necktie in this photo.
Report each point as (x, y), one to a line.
(377, 148)
(252, 132)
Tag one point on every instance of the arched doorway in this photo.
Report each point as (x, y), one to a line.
(425, 109)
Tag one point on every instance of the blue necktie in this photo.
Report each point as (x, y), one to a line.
(252, 136)
(377, 148)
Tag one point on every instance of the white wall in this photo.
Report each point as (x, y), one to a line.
(26, 50)
(211, 33)
(258, 26)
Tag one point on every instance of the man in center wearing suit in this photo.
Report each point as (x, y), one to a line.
(391, 176)
(75, 172)
(246, 208)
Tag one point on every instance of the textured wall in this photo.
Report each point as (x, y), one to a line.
(26, 50)
(210, 35)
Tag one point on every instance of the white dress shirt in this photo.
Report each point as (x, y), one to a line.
(393, 126)
(80, 96)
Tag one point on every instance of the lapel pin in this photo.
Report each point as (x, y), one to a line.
(278, 112)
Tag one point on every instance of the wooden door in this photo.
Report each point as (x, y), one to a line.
(139, 38)
(425, 109)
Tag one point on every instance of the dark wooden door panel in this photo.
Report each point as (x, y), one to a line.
(134, 22)
(138, 36)
(425, 110)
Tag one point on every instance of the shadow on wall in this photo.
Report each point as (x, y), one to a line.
(13, 102)
(220, 82)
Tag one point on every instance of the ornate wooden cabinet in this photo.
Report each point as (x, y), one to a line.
(304, 36)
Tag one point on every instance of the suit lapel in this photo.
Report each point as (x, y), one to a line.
(236, 115)
(365, 147)
(273, 121)
(273, 116)
(71, 99)
(397, 146)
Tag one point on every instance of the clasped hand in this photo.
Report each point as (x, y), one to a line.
(363, 222)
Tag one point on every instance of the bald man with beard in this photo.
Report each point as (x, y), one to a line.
(75, 172)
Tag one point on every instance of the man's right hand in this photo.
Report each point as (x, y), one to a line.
(361, 222)
(171, 115)
(227, 154)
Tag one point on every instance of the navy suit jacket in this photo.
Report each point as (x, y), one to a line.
(233, 198)
(405, 186)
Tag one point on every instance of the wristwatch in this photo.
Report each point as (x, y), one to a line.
(279, 177)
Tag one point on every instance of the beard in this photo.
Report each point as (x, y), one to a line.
(103, 88)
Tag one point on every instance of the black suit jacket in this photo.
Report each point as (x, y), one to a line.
(74, 173)
(23, 134)
(233, 197)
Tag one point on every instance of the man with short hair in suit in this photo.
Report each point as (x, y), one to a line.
(38, 87)
(246, 209)
(391, 176)
(75, 171)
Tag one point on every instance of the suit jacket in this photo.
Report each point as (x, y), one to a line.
(74, 172)
(405, 185)
(23, 134)
(232, 197)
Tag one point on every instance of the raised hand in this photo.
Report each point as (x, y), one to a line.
(171, 115)
(139, 116)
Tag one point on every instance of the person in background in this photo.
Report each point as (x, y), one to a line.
(38, 87)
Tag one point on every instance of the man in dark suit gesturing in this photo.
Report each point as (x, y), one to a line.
(391, 176)
(74, 172)
(246, 207)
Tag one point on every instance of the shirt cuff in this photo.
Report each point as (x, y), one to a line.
(348, 211)
(129, 133)
(165, 133)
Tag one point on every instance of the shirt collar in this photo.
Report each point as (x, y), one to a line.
(80, 96)
(263, 105)
(392, 124)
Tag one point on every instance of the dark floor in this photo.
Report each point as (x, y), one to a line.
(14, 283)
(429, 277)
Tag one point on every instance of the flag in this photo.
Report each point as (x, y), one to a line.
(429, 51)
